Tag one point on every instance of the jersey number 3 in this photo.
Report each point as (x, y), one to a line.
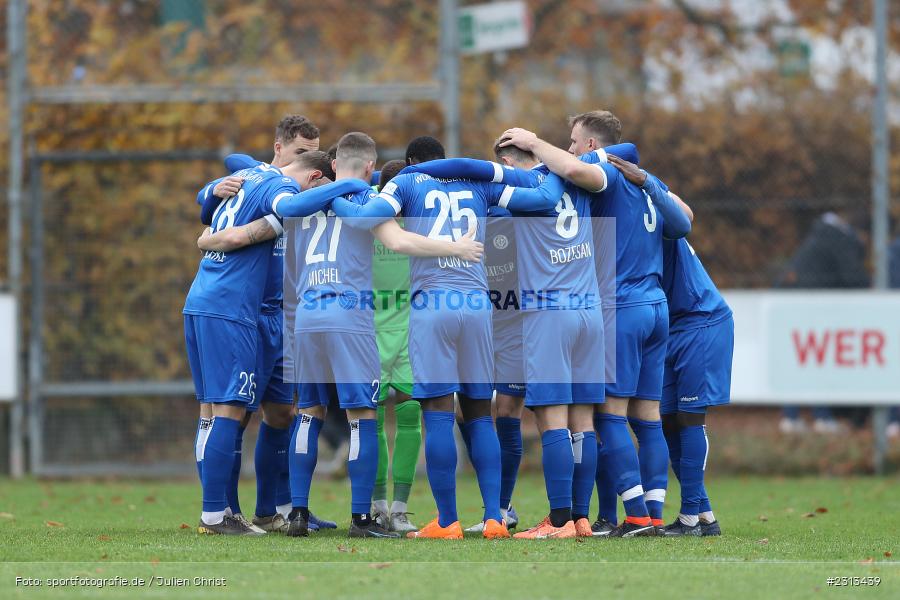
(650, 219)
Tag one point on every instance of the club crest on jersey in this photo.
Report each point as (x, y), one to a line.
(501, 242)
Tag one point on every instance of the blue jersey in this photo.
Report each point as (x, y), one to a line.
(693, 298)
(500, 256)
(273, 292)
(230, 285)
(334, 283)
(443, 209)
(556, 250)
(638, 232)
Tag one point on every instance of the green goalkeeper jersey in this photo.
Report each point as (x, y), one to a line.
(390, 280)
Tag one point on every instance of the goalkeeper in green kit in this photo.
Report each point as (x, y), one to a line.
(390, 280)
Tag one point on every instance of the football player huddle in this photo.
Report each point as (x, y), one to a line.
(463, 291)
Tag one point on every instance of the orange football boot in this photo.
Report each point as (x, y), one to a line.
(494, 529)
(545, 530)
(433, 530)
(583, 528)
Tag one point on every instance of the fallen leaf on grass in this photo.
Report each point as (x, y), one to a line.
(383, 565)
(54, 524)
(808, 515)
(888, 554)
(150, 499)
(867, 561)
(821, 510)
(184, 526)
(104, 538)
(343, 548)
(116, 500)
(579, 540)
(154, 561)
(763, 541)
(763, 518)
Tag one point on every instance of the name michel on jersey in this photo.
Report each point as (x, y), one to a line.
(567, 254)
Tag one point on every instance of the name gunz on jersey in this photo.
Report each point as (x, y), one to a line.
(560, 256)
(215, 256)
(452, 262)
(323, 276)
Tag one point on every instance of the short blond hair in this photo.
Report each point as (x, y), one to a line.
(600, 124)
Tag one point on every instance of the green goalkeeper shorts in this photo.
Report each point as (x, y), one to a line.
(393, 349)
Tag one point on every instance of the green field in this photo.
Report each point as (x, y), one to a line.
(783, 538)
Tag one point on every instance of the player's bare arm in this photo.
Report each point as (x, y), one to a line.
(233, 238)
(584, 175)
(638, 176)
(397, 239)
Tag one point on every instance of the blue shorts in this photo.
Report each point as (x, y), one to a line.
(639, 354)
(337, 362)
(698, 368)
(451, 350)
(222, 357)
(270, 382)
(561, 366)
(509, 366)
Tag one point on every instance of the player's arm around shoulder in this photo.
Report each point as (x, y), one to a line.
(397, 239)
(230, 239)
(677, 215)
(585, 176)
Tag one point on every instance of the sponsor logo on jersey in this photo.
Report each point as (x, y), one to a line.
(501, 242)
(218, 257)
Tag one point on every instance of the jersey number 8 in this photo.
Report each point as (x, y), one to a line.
(567, 221)
(227, 211)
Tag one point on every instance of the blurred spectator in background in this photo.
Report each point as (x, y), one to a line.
(832, 256)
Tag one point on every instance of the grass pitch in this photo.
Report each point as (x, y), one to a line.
(783, 538)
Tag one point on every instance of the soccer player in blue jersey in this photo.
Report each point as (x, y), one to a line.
(450, 329)
(295, 135)
(640, 318)
(697, 375)
(335, 349)
(274, 392)
(221, 319)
